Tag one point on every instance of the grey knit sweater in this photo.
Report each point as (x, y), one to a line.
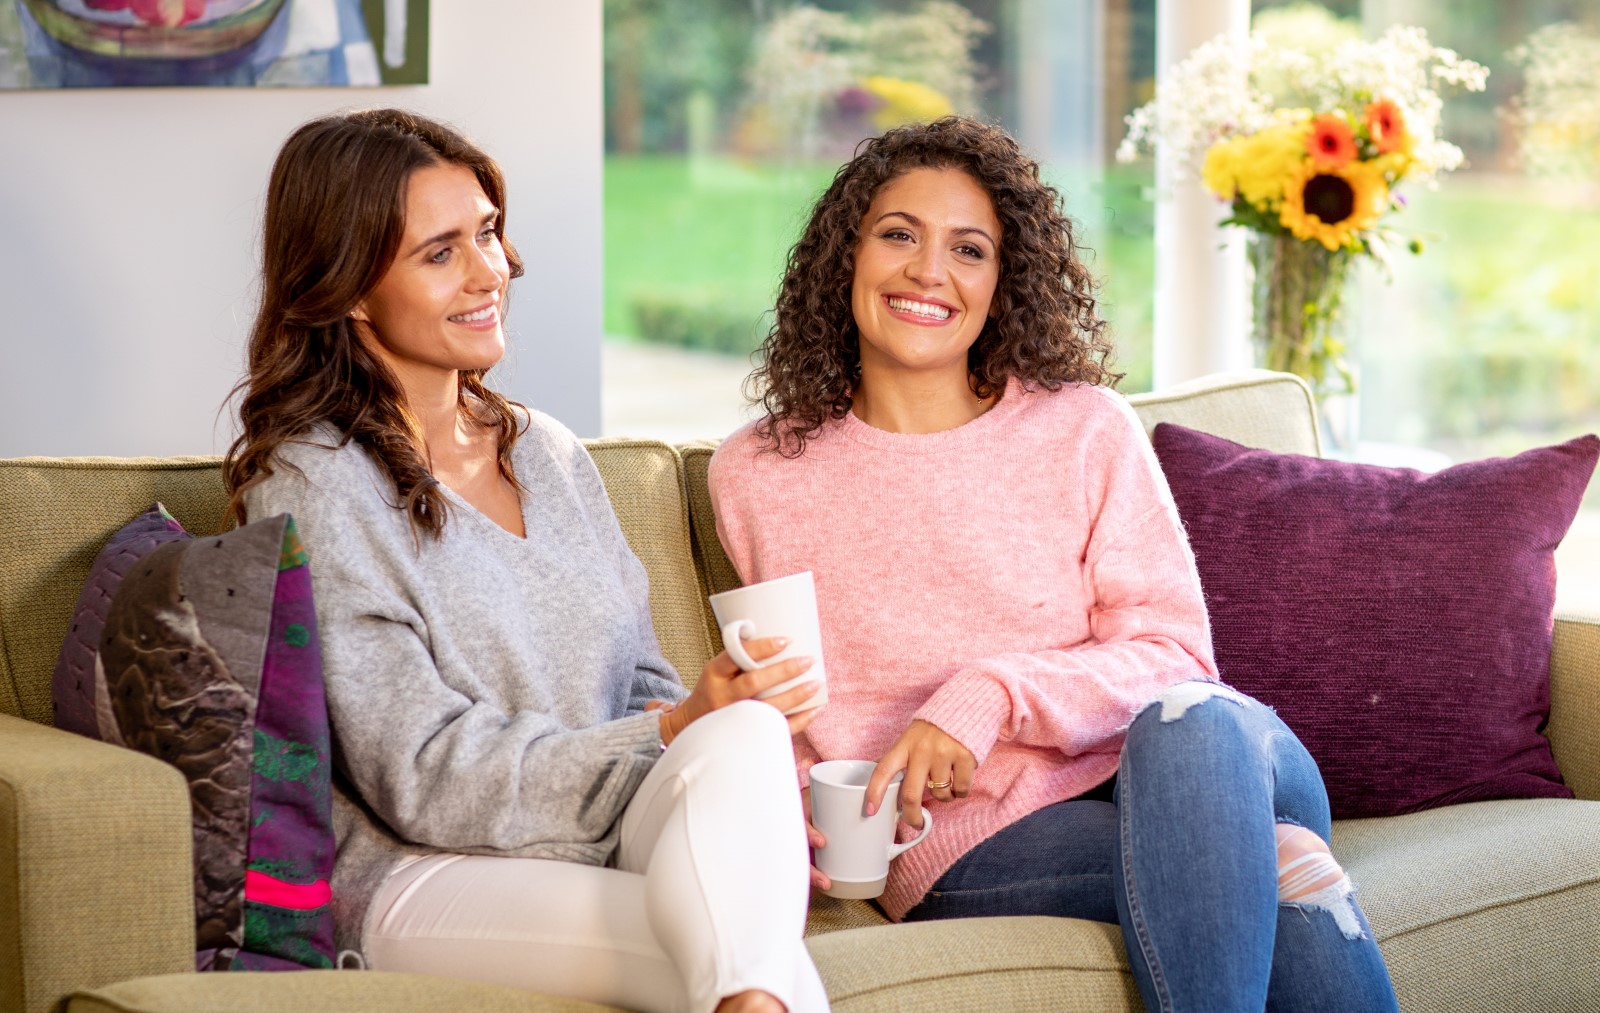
(485, 691)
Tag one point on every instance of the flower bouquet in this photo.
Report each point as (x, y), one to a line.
(1308, 149)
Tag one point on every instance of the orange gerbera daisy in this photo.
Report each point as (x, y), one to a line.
(1387, 126)
(1332, 141)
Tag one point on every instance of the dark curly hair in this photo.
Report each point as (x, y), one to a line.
(1043, 331)
(334, 220)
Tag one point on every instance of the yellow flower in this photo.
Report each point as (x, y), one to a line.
(1219, 171)
(1257, 166)
(905, 102)
(1392, 166)
(1332, 205)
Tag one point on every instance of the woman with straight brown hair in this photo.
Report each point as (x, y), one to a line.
(525, 792)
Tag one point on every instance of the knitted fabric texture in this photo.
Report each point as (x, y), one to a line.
(1399, 622)
(1020, 581)
(486, 692)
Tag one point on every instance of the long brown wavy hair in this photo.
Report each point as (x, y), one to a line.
(1043, 329)
(335, 217)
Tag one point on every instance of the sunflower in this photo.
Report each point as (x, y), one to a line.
(1386, 124)
(1332, 141)
(1331, 206)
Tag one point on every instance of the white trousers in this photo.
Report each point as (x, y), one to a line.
(708, 900)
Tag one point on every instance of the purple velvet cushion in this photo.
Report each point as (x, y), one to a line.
(1399, 622)
(78, 687)
(212, 664)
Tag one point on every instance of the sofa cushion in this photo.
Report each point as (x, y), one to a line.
(60, 512)
(1400, 623)
(1255, 407)
(645, 482)
(715, 567)
(314, 992)
(1574, 701)
(78, 687)
(212, 664)
(1486, 907)
(1022, 963)
(834, 914)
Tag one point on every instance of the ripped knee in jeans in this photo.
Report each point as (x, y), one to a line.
(1176, 700)
(1309, 877)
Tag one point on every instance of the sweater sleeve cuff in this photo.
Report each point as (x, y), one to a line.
(638, 733)
(972, 709)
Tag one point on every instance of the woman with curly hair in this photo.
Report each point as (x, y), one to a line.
(1011, 613)
(525, 793)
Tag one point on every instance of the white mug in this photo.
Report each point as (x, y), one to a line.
(860, 847)
(785, 607)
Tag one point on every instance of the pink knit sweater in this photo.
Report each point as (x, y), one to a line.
(1021, 581)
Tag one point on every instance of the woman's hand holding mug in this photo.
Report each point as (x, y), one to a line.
(816, 839)
(783, 607)
(856, 848)
(931, 758)
(723, 682)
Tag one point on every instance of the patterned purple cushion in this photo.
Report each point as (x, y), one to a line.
(1399, 622)
(212, 663)
(78, 688)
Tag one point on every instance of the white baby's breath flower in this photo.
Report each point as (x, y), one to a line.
(1229, 87)
(1207, 97)
(1558, 112)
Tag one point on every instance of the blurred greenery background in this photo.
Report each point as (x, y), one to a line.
(726, 118)
(695, 261)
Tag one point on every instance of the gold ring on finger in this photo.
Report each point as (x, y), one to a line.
(938, 785)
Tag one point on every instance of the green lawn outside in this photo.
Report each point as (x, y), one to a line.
(694, 252)
(712, 237)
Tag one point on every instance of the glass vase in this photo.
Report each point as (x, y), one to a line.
(1299, 327)
(1299, 302)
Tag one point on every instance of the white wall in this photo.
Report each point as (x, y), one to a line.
(129, 223)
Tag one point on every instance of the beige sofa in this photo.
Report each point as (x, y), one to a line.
(1492, 906)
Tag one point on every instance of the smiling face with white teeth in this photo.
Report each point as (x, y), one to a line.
(437, 309)
(926, 265)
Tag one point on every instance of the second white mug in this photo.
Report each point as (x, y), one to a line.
(859, 847)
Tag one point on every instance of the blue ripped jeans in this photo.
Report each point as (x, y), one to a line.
(1182, 854)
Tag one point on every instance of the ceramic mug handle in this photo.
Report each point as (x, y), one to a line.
(896, 850)
(733, 636)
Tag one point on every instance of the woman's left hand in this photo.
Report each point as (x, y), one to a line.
(930, 758)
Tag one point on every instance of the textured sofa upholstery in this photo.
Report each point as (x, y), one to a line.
(1492, 906)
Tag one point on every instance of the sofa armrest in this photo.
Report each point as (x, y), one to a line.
(96, 881)
(1574, 727)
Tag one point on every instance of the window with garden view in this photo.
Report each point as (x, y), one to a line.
(724, 119)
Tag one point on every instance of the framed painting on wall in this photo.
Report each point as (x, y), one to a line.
(245, 43)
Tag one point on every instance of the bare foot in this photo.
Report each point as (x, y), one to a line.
(753, 1001)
